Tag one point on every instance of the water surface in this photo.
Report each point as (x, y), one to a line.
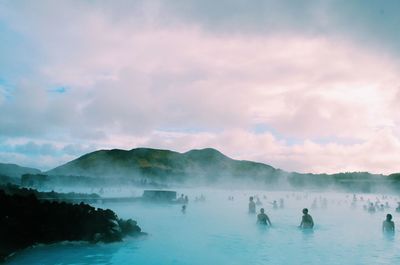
(220, 231)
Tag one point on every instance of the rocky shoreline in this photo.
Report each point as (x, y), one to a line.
(26, 221)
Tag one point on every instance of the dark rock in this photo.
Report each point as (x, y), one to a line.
(26, 221)
(53, 196)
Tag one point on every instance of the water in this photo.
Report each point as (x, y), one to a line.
(219, 231)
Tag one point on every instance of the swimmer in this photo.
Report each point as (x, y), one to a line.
(181, 199)
(183, 209)
(371, 208)
(314, 204)
(306, 220)
(252, 205)
(275, 205)
(388, 224)
(398, 207)
(262, 218)
(203, 198)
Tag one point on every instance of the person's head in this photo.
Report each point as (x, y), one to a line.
(251, 198)
(305, 211)
(262, 210)
(389, 217)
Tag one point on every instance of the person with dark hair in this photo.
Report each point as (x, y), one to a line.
(371, 208)
(307, 221)
(262, 218)
(252, 205)
(388, 224)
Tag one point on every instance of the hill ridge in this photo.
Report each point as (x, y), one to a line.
(162, 164)
(201, 166)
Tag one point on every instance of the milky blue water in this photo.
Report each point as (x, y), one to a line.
(220, 231)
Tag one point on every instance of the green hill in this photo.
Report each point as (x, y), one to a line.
(11, 173)
(146, 166)
(164, 165)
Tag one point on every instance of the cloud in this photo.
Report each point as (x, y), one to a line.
(40, 154)
(300, 86)
(144, 73)
(379, 154)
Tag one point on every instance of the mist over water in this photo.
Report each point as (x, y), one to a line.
(221, 231)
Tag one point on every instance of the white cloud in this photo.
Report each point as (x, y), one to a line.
(302, 87)
(379, 154)
(131, 78)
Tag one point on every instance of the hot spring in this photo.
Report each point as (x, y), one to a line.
(221, 231)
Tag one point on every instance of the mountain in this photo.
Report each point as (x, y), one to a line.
(15, 171)
(11, 173)
(158, 168)
(164, 165)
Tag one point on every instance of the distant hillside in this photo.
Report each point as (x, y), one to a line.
(14, 171)
(145, 166)
(205, 164)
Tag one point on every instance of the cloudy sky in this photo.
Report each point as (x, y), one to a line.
(308, 86)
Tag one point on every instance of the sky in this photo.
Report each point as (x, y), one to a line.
(306, 86)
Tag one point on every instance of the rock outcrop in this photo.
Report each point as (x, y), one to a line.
(26, 221)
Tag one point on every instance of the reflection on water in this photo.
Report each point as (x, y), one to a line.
(79, 253)
(307, 234)
(219, 230)
(389, 237)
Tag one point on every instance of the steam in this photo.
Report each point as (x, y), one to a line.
(220, 229)
(144, 167)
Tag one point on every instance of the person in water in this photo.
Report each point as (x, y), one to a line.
(262, 218)
(252, 205)
(371, 208)
(388, 224)
(306, 220)
(183, 208)
(398, 207)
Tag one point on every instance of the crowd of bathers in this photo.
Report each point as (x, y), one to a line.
(307, 221)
